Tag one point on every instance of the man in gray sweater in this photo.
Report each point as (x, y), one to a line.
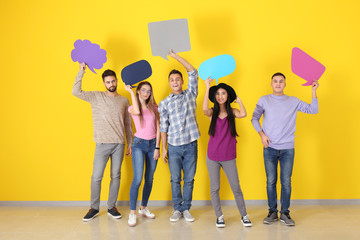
(111, 122)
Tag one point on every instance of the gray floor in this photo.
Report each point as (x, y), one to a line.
(312, 222)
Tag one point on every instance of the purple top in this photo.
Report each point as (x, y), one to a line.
(279, 120)
(222, 146)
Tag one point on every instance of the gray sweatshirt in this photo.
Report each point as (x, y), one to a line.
(110, 116)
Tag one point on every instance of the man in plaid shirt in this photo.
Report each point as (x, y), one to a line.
(180, 131)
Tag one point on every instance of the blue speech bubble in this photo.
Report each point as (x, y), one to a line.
(136, 72)
(217, 67)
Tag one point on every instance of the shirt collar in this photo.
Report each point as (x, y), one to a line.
(176, 95)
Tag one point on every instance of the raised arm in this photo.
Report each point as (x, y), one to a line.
(77, 88)
(82, 66)
(135, 110)
(207, 111)
(186, 64)
(242, 112)
(314, 87)
(312, 108)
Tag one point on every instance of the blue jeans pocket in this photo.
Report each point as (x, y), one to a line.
(137, 140)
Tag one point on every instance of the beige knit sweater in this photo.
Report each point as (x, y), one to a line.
(110, 114)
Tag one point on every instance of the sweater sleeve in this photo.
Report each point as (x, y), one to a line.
(258, 112)
(77, 90)
(312, 108)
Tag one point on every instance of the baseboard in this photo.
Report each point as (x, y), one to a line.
(169, 203)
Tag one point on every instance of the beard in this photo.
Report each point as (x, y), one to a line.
(111, 89)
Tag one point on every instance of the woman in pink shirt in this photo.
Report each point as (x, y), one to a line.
(221, 151)
(145, 149)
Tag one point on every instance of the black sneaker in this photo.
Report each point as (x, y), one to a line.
(220, 222)
(285, 218)
(114, 213)
(91, 214)
(271, 217)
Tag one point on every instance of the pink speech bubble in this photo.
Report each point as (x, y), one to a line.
(305, 66)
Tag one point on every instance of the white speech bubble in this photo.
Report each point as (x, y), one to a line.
(166, 35)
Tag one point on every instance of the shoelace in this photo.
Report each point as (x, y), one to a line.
(221, 218)
(270, 214)
(146, 211)
(246, 219)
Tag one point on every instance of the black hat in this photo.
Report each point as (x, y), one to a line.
(230, 91)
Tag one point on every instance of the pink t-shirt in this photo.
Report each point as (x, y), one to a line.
(146, 130)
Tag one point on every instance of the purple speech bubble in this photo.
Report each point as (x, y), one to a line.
(89, 53)
(305, 66)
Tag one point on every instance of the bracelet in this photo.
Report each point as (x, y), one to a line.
(157, 148)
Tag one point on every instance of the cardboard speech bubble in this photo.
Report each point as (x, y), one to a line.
(305, 66)
(166, 35)
(217, 67)
(89, 53)
(136, 72)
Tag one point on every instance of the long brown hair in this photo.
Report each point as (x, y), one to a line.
(150, 102)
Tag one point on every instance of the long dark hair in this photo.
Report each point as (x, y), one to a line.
(230, 117)
(150, 102)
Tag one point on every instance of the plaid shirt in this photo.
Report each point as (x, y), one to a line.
(178, 114)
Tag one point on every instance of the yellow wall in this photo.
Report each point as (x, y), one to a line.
(46, 133)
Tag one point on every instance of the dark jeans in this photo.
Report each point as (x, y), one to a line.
(286, 158)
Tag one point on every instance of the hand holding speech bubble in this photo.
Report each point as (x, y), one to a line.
(166, 35)
(217, 67)
(305, 66)
(89, 53)
(136, 72)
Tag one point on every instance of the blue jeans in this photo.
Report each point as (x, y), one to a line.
(286, 159)
(184, 158)
(142, 154)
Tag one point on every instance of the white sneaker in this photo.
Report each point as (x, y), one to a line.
(132, 220)
(188, 217)
(220, 222)
(176, 216)
(146, 213)
(246, 221)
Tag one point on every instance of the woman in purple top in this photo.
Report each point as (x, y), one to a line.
(145, 149)
(222, 146)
